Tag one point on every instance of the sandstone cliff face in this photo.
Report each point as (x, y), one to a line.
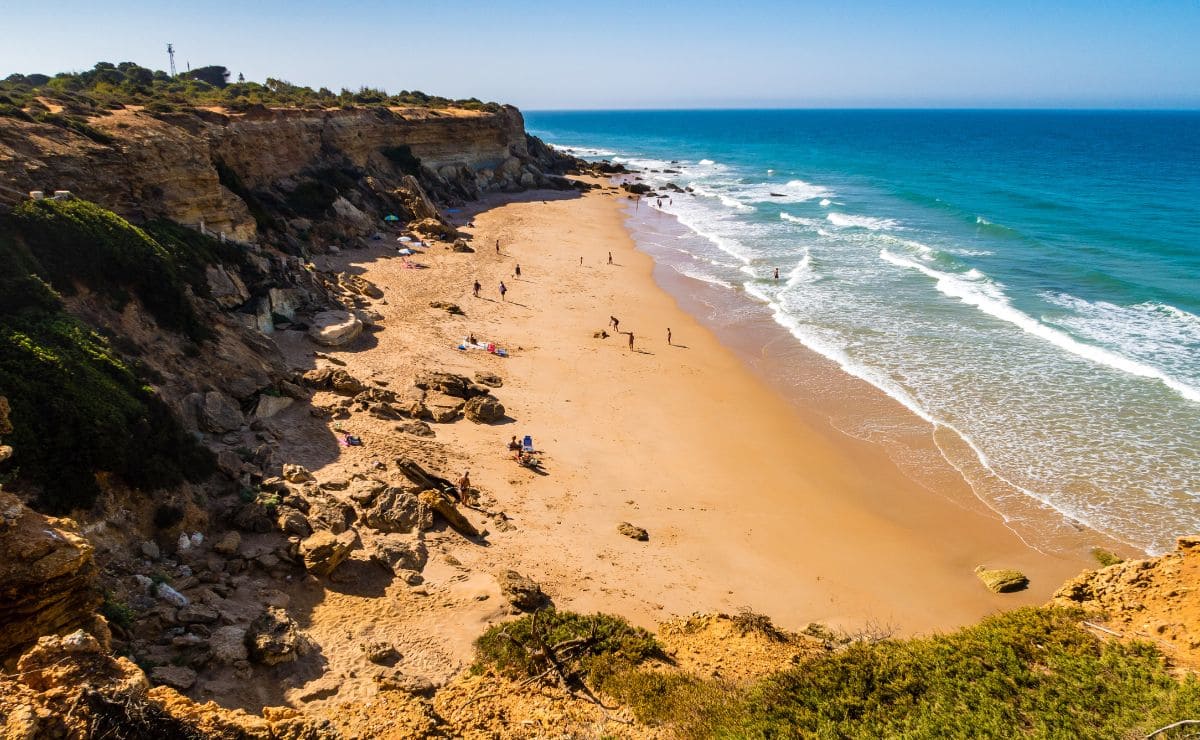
(46, 576)
(173, 166)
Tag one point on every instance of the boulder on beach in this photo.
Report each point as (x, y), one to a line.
(1002, 580)
(334, 328)
(633, 532)
(484, 409)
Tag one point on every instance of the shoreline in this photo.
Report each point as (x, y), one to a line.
(820, 388)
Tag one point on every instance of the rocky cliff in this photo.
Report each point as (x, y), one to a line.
(272, 174)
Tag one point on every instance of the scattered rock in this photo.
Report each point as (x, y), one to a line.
(381, 653)
(324, 551)
(293, 473)
(170, 595)
(397, 510)
(273, 638)
(228, 644)
(219, 414)
(451, 308)
(177, 677)
(198, 614)
(633, 532)
(268, 406)
(443, 408)
(435, 501)
(1002, 580)
(460, 245)
(450, 384)
(334, 328)
(491, 380)
(522, 592)
(396, 680)
(228, 543)
(395, 554)
(484, 409)
(416, 428)
(345, 384)
(150, 550)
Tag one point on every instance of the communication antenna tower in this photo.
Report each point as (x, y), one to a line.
(171, 54)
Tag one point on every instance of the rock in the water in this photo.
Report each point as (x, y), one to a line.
(177, 677)
(633, 532)
(219, 414)
(491, 380)
(522, 592)
(1002, 580)
(415, 428)
(484, 409)
(324, 551)
(273, 638)
(334, 328)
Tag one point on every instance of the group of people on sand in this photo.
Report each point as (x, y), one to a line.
(615, 323)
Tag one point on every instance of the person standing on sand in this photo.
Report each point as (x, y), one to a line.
(464, 486)
(477, 287)
(630, 339)
(503, 290)
(615, 322)
(610, 258)
(668, 335)
(517, 271)
(497, 246)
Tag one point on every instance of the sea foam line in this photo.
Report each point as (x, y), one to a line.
(997, 306)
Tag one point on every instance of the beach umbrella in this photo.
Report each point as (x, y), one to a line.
(391, 217)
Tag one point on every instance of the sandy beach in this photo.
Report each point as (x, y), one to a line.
(751, 500)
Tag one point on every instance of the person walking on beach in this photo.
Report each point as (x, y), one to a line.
(610, 258)
(668, 336)
(503, 290)
(477, 287)
(497, 246)
(517, 271)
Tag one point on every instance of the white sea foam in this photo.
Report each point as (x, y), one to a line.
(844, 221)
(802, 272)
(982, 221)
(793, 191)
(810, 222)
(583, 151)
(706, 162)
(989, 298)
(825, 202)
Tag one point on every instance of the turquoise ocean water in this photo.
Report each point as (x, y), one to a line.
(1028, 281)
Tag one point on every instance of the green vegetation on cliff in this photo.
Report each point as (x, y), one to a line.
(109, 86)
(77, 407)
(1033, 672)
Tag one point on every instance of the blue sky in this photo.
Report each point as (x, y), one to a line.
(664, 54)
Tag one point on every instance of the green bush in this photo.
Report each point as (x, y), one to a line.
(604, 645)
(1033, 672)
(77, 407)
(69, 241)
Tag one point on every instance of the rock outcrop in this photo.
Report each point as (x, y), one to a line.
(47, 576)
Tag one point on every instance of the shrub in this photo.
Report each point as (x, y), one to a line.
(1106, 558)
(78, 408)
(593, 647)
(1033, 672)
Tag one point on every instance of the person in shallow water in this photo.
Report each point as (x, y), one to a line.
(776, 273)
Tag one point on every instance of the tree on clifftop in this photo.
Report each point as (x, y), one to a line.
(215, 75)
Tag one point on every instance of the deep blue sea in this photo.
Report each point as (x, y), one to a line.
(1029, 281)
